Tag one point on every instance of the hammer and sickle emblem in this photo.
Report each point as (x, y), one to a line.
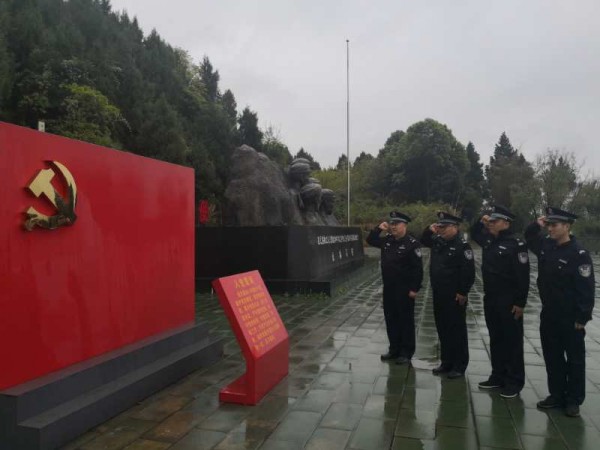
(41, 185)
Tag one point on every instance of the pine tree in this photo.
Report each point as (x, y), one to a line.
(249, 132)
(342, 163)
(511, 180)
(504, 148)
(210, 80)
(229, 105)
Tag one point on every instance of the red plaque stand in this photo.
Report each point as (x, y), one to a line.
(260, 333)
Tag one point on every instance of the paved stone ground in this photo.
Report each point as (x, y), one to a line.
(339, 395)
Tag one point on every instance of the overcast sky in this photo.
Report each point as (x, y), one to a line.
(527, 67)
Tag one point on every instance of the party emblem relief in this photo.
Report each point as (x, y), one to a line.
(64, 207)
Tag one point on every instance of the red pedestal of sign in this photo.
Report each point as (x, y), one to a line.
(260, 333)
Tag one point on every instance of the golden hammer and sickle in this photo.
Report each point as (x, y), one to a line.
(41, 185)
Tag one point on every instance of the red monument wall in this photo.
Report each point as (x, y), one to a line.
(122, 271)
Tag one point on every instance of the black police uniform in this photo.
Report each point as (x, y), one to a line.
(452, 271)
(505, 270)
(402, 272)
(567, 288)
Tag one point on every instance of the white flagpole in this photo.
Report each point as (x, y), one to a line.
(348, 120)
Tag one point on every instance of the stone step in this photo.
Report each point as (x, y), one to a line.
(62, 423)
(29, 399)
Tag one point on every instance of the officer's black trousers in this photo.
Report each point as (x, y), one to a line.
(399, 311)
(566, 377)
(451, 324)
(506, 341)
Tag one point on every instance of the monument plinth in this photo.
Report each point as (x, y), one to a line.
(281, 223)
(290, 258)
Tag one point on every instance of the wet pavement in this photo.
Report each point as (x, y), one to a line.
(339, 395)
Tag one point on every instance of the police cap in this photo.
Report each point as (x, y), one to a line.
(445, 218)
(397, 216)
(500, 212)
(554, 215)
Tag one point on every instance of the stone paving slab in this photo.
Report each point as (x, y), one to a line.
(339, 395)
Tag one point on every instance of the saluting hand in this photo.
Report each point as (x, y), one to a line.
(384, 226)
(412, 294)
(485, 219)
(517, 312)
(461, 299)
(541, 221)
(433, 228)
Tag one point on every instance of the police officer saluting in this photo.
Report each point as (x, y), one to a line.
(505, 270)
(452, 273)
(402, 273)
(566, 285)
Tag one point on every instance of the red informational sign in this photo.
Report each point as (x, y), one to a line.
(203, 211)
(260, 333)
(96, 251)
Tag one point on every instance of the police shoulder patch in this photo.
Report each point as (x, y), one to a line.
(418, 252)
(585, 270)
(469, 254)
(523, 257)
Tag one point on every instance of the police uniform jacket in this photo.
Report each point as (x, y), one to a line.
(565, 276)
(400, 259)
(452, 268)
(505, 264)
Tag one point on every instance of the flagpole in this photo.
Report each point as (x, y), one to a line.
(348, 120)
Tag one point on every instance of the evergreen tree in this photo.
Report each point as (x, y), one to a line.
(229, 106)
(511, 181)
(363, 157)
(342, 163)
(249, 132)
(161, 136)
(475, 189)
(503, 149)
(210, 80)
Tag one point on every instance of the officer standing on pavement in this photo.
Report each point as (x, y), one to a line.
(402, 273)
(452, 273)
(567, 288)
(505, 270)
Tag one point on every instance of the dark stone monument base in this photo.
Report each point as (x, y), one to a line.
(48, 412)
(290, 259)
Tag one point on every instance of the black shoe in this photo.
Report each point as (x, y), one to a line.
(509, 392)
(572, 411)
(489, 384)
(550, 402)
(441, 369)
(402, 360)
(389, 356)
(455, 374)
